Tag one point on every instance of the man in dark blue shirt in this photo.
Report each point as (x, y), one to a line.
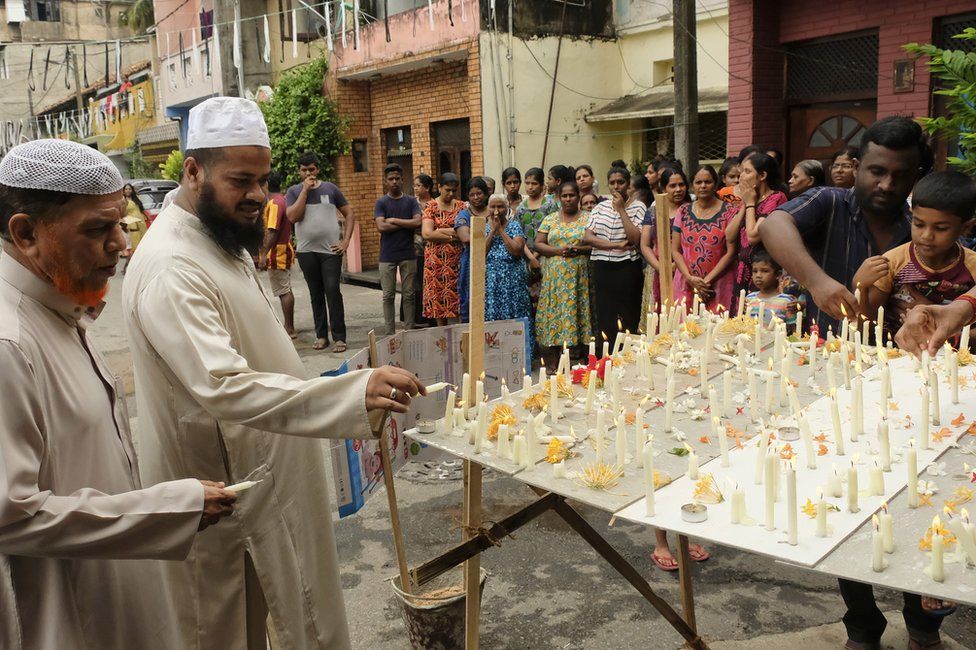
(397, 218)
(821, 238)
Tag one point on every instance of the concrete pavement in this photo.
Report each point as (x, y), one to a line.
(547, 589)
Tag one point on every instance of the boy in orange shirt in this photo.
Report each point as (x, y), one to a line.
(934, 268)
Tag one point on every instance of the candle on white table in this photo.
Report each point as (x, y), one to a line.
(799, 323)
(648, 453)
(757, 334)
(844, 324)
(449, 412)
(937, 567)
(555, 410)
(936, 402)
(771, 382)
(723, 441)
(502, 448)
(923, 364)
(621, 443)
(465, 394)
(857, 408)
(954, 376)
(885, 389)
(964, 338)
(884, 444)
(482, 428)
(821, 514)
(761, 453)
(754, 396)
(865, 330)
(592, 348)
(601, 433)
(835, 422)
(669, 399)
(606, 348)
(479, 390)
(736, 504)
(779, 338)
(926, 415)
(770, 485)
(742, 302)
(692, 463)
(527, 383)
(879, 329)
(887, 529)
(791, 505)
(740, 349)
(911, 465)
(812, 351)
(852, 488)
(559, 469)
(858, 353)
(834, 484)
(590, 392)
(876, 480)
(639, 436)
(877, 546)
(965, 542)
(531, 441)
(459, 420)
(784, 375)
(505, 392)
(519, 452)
(727, 393)
(809, 454)
(794, 400)
(844, 357)
(542, 372)
(831, 372)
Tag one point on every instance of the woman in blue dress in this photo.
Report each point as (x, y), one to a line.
(506, 292)
(477, 206)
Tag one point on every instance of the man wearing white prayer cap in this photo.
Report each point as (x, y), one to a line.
(221, 389)
(77, 530)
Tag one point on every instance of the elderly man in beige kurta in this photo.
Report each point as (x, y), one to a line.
(218, 381)
(75, 525)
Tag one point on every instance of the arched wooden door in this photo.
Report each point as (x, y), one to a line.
(817, 131)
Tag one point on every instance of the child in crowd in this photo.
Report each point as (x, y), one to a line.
(933, 268)
(769, 297)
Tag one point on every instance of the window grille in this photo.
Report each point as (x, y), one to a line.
(837, 68)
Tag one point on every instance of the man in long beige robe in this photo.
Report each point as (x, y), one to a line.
(75, 524)
(218, 380)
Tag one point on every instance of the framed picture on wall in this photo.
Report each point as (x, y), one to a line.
(903, 79)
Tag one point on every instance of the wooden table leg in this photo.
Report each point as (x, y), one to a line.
(472, 567)
(684, 578)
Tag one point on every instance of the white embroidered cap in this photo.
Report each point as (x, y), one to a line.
(61, 166)
(226, 122)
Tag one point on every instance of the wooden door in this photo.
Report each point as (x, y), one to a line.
(819, 130)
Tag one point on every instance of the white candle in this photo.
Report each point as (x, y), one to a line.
(911, 463)
(876, 480)
(858, 354)
(526, 383)
(479, 392)
(835, 485)
(459, 420)
(703, 374)
(954, 376)
(884, 444)
(466, 393)
(502, 448)
(531, 442)
(601, 432)
(621, 443)
(778, 339)
(926, 416)
(799, 323)
(669, 400)
(742, 302)
(813, 347)
(649, 476)
(554, 408)
(844, 326)
(542, 373)
(559, 470)
(885, 389)
(482, 427)
(835, 421)
(877, 546)
(844, 358)
(857, 409)
(563, 367)
(639, 436)
(771, 382)
(964, 339)
(242, 486)
(519, 455)
(879, 331)
(887, 529)
(505, 393)
(727, 393)
(794, 400)
(723, 441)
(808, 451)
(791, 504)
(821, 514)
(754, 396)
(592, 349)
(761, 454)
(966, 544)
(737, 504)
(590, 392)
(652, 328)
(865, 331)
(757, 335)
(692, 463)
(770, 485)
(937, 567)
(449, 412)
(784, 375)
(852, 502)
(831, 373)
(936, 405)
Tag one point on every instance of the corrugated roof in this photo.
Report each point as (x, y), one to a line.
(657, 103)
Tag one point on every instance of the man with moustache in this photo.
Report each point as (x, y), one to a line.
(220, 388)
(77, 530)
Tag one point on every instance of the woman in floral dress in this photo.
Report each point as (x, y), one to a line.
(506, 294)
(563, 315)
(530, 213)
(477, 207)
(703, 256)
(442, 256)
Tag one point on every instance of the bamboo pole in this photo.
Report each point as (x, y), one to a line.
(380, 432)
(662, 210)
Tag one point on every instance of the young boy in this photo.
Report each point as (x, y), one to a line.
(767, 276)
(933, 268)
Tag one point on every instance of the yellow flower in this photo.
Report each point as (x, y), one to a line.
(536, 401)
(966, 358)
(502, 414)
(691, 329)
(809, 509)
(556, 452)
(599, 476)
(707, 492)
(740, 325)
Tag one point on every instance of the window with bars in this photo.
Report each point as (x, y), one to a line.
(659, 137)
(835, 68)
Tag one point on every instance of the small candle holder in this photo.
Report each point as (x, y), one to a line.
(426, 425)
(789, 434)
(694, 513)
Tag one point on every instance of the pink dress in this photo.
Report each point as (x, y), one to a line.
(703, 244)
(743, 276)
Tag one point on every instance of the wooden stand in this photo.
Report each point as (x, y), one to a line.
(662, 212)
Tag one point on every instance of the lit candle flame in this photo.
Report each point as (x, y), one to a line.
(936, 523)
(620, 325)
(820, 494)
(965, 515)
(604, 335)
(884, 506)
(947, 512)
(875, 522)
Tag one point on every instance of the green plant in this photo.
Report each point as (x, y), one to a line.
(171, 169)
(300, 118)
(138, 167)
(139, 16)
(956, 70)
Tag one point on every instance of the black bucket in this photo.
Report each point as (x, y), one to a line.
(435, 622)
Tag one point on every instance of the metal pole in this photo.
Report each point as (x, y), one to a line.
(685, 83)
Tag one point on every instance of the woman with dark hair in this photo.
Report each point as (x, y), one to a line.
(585, 180)
(506, 295)
(442, 255)
(806, 174)
(674, 183)
(702, 254)
(557, 175)
(729, 180)
(530, 213)
(776, 155)
(613, 232)
(134, 222)
(512, 182)
(762, 191)
(478, 193)
(843, 166)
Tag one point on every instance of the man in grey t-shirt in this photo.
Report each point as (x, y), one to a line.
(313, 206)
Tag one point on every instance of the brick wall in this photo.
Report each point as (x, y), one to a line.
(434, 93)
(898, 22)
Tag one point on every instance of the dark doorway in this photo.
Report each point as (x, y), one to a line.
(451, 141)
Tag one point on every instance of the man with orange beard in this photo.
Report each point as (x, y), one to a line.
(71, 504)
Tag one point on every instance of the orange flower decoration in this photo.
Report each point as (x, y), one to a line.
(693, 371)
(704, 440)
(822, 437)
(822, 450)
(971, 429)
(925, 499)
(959, 420)
(630, 417)
(893, 405)
(941, 434)
(787, 452)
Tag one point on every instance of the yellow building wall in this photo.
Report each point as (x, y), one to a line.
(118, 132)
